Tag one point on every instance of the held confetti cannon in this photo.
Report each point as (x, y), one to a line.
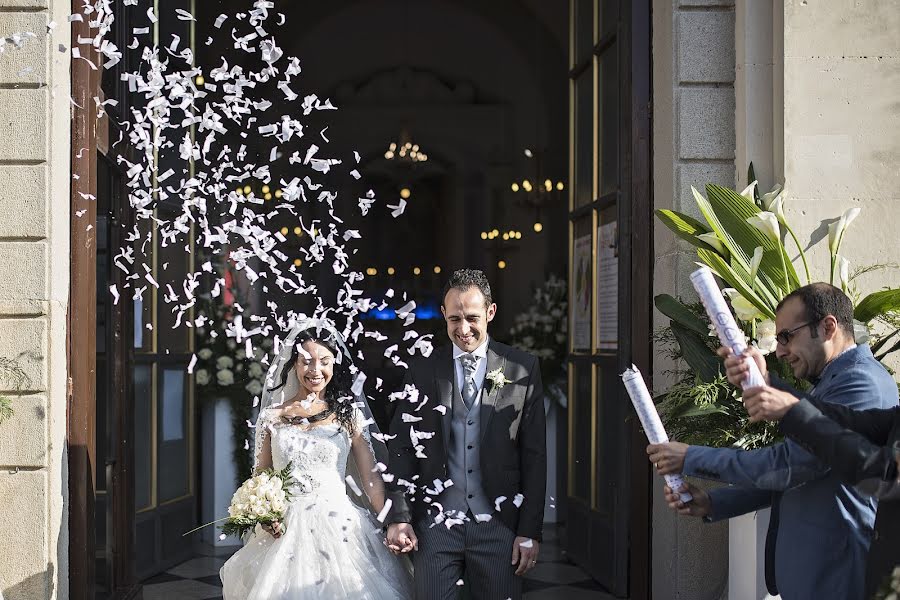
(729, 333)
(653, 427)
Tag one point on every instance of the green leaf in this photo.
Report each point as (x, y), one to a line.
(893, 348)
(732, 211)
(876, 304)
(684, 226)
(701, 410)
(699, 357)
(681, 314)
(732, 278)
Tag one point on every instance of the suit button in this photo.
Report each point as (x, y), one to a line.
(471, 422)
(470, 470)
(471, 496)
(469, 447)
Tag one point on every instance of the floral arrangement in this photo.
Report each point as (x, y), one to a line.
(542, 331)
(222, 368)
(225, 370)
(261, 500)
(743, 241)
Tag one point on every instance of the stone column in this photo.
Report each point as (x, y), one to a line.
(34, 279)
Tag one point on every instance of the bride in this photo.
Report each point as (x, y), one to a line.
(328, 546)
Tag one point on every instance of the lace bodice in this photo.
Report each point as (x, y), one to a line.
(318, 456)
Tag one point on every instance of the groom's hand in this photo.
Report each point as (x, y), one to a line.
(401, 538)
(524, 554)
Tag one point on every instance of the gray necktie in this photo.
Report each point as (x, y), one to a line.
(470, 390)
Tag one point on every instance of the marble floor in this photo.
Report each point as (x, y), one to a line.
(553, 578)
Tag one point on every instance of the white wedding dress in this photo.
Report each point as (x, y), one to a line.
(332, 548)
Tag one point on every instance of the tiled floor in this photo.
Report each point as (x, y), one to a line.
(554, 578)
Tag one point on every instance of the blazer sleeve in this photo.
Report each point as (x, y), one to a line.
(533, 457)
(853, 443)
(402, 461)
(776, 468)
(736, 501)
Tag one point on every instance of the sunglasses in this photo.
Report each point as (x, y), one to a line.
(785, 336)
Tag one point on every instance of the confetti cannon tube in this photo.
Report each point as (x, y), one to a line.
(729, 333)
(653, 427)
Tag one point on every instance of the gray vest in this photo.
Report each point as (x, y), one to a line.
(464, 458)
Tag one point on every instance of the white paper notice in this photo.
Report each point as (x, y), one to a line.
(729, 333)
(653, 427)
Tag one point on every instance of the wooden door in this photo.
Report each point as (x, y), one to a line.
(610, 251)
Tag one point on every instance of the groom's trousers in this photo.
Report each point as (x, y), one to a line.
(480, 554)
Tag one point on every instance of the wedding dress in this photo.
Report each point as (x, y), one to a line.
(332, 548)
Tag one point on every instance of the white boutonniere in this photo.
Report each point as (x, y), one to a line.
(497, 379)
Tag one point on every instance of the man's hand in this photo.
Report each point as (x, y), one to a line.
(765, 403)
(668, 458)
(524, 554)
(700, 506)
(736, 367)
(401, 538)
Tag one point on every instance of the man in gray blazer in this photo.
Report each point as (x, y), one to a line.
(468, 456)
(820, 528)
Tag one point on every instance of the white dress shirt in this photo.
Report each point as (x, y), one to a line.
(480, 354)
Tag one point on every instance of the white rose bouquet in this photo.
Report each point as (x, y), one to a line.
(260, 500)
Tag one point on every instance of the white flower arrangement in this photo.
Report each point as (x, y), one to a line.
(497, 379)
(260, 500)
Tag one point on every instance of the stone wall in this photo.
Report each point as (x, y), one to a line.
(693, 143)
(842, 129)
(34, 271)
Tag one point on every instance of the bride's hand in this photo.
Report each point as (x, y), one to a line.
(275, 529)
(401, 538)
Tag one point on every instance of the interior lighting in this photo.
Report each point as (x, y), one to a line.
(501, 264)
(538, 227)
(560, 186)
(199, 80)
(405, 193)
(505, 237)
(298, 231)
(484, 235)
(417, 271)
(284, 231)
(297, 262)
(247, 189)
(437, 270)
(265, 189)
(278, 193)
(391, 271)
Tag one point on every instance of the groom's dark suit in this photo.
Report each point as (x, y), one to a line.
(512, 441)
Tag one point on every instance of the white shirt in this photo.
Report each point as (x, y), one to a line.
(480, 354)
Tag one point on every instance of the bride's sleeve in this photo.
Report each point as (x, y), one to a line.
(366, 464)
(262, 444)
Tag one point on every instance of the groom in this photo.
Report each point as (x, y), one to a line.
(469, 457)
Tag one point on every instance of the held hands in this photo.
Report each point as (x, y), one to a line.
(668, 458)
(524, 554)
(401, 539)
(765, 403)
(700, 506)
(736, 368)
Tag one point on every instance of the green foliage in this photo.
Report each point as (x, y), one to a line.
(10, 373)
(702, 407)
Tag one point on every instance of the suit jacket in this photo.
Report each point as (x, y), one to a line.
(821, 529)
(513, 438)
(858, 447)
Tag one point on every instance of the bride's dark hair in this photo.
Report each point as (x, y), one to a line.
(338, 395)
